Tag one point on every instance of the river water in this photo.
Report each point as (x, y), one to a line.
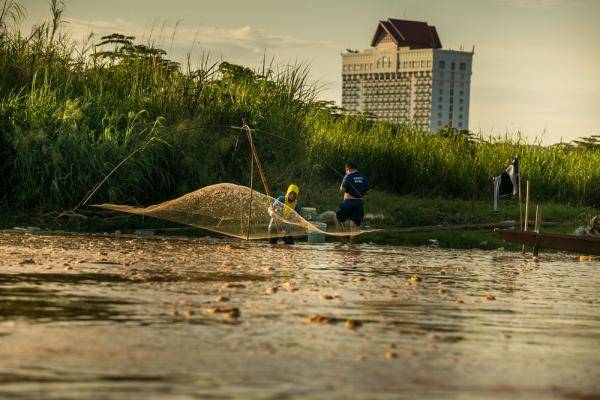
(113, 318)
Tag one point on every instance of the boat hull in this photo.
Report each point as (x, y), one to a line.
(576, 244)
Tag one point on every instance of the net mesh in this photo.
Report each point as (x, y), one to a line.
(233, 210)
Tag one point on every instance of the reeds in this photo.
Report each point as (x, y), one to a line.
(68, 117)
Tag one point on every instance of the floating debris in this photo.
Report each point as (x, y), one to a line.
(416, 278)
(27, 261)
(289, 287)
(187, 313)
(391, 355)
(272, 290)
(232, 312)
(325, 297)
(321, 319)
(352, 324)
(229, 285)
(489, 297)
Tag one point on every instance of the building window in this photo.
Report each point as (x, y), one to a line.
(460, 101)
(440, 99)
(460, 116)
(442, 64)
(462, 92)
(460, 108)
(441, 91)
(439, 123)
(450, 116)
(439, 115)
(463, 66)
(440, 107)
(452, 66)
(460, 124)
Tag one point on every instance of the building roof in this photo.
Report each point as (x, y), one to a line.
(414, 34)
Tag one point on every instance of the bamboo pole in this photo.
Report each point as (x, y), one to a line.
(520, 204)
(526, 211)
(538, 218)
(538, 224)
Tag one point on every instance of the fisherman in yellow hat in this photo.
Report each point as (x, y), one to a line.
(285, 207)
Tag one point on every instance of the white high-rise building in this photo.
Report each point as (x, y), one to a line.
(406, 76)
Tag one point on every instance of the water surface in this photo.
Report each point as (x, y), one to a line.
(104, 317)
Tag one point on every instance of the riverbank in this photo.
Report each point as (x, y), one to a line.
(403, 220)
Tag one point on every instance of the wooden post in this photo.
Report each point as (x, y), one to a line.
(538, 224)
(520, 204)
(538, 218)
(525, 227)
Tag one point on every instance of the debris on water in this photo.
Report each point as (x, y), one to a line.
(588, 258)
(117, 234)
(391, 355)
(489, 297)
(187, 313)
(352, 324)
(434, 242)
(458, 300)
(231, 312)
(27, 261)
(505, 336)
(416, 278)
(325, 297)
(391, 345)
(229, 285)
(289, 287)
(272, 290)
(68, 268)
(221, 299)
(321, 319)
(441, 291)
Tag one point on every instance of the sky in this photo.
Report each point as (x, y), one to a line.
(536, 68)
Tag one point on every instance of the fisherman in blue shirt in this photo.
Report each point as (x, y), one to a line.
(354, 186)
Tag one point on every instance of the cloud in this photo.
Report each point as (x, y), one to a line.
(216, 40)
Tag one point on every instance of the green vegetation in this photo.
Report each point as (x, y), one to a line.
(69, 114)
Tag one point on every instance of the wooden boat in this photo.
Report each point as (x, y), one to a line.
(577, 244)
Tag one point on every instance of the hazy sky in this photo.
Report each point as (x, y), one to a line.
(536, 66)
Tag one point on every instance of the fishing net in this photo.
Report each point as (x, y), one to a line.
(233, 210)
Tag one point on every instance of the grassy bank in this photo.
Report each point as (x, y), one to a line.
(68, 115)
(393, 213)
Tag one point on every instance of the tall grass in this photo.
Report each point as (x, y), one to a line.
(400, 159)
(69, 114)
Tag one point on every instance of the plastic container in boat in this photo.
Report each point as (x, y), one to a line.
(317, 237)
(309, 213)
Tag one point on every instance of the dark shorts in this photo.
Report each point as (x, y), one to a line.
(351, 210)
